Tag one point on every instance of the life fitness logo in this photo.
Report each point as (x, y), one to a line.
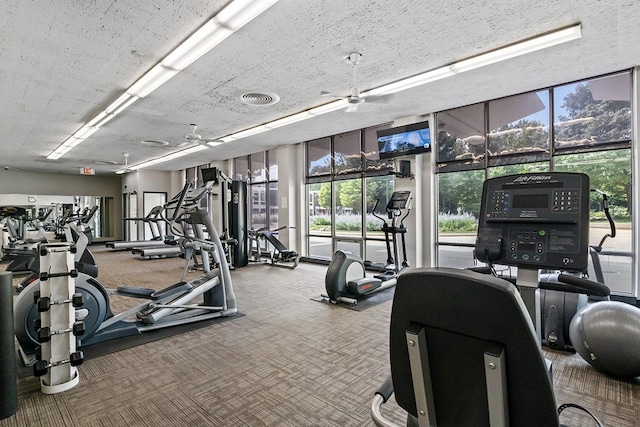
(534, 178)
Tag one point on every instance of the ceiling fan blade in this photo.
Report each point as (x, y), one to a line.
(382, 99)
(210, 142)
(351, 108)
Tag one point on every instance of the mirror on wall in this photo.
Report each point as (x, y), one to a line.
(102, 223)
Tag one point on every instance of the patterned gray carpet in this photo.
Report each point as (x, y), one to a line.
(288, 362)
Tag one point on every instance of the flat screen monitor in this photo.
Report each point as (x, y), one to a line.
(210, 174)
(404, 140)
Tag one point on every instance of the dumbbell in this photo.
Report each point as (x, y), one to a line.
(44, 276)
(41, 367)
(45, 303)
(44, 334)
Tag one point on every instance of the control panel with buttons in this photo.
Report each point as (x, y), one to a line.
(537, 220)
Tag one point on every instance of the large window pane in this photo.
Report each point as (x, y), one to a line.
(455, 256)
(241, 167)
(518, 169)
(320, 247)
(258, 206)
(378, 190)
(592, 112)
(459, 195)
(610, 172)
(319, 197)
(461, 144)
(347, 153)
(376, 251)
(273, 205)
(616, 270)
(371, 156)
(519, 128)
(352, 246)
(272, 156)
(319, 157)
(258, 169)
(348, 203)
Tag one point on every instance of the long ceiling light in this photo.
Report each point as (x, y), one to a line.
(230, 19)
(502, 54)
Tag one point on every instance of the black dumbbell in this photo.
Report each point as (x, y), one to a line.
(44, 334)
(78, 328)
(41, 367)
(44, 304)
(76, 358)
(77, 300)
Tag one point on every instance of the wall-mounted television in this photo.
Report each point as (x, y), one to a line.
(403, 140)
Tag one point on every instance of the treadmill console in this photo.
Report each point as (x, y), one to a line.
(535, 220)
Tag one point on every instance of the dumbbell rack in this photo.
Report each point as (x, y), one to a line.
(58, 358)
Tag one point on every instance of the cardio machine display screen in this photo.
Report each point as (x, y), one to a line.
(530, 201)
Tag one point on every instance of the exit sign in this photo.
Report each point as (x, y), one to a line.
(87, 171)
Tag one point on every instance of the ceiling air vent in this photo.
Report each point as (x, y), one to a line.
(154, 143)
(259, 98)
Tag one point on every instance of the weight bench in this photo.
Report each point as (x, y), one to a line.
(464, 352)
(280, 253)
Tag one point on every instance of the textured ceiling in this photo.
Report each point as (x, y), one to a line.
(63, 61)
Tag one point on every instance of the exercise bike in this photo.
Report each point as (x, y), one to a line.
(346, 279)
(164, 308)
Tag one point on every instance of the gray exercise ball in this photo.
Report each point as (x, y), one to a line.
(607, 335)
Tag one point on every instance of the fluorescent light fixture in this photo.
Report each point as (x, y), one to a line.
(166, 158)
(289, 120)
(245, 133)
(151, 80)
(97, 120)
(240, 12)
(123, 106)
(411, 82)
(202, 41)
(71, 142)
(84, 132)
(233, 17)
(327, 108)
(117, 103)
(521, 48)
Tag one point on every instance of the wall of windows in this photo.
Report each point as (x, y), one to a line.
(344, 179)
(260, 171)
(583, 127)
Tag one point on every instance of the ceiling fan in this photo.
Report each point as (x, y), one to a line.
(126, 169)
(355, 99)
(195, 138)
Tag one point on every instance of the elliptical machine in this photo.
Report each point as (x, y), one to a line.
(346, 279)
(171, 306)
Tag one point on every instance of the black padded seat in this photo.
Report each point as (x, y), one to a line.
(464, 314)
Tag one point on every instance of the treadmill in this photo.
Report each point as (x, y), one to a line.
(152, 219)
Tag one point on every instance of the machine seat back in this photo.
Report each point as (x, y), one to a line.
(464, 315)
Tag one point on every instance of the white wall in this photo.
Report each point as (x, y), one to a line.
(150, 181)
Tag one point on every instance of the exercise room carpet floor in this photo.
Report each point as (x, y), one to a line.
(288, 361)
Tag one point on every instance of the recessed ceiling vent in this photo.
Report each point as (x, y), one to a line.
(154, 143)
(255, 97)
(106, 162)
